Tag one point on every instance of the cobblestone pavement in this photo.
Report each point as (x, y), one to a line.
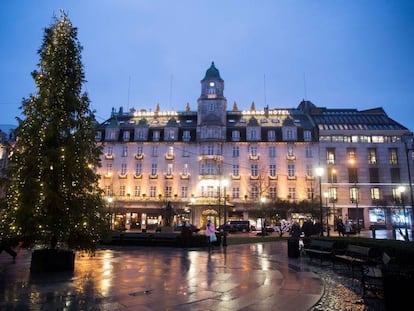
(343, 294)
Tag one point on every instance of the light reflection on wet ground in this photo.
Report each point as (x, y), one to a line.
(243, 277)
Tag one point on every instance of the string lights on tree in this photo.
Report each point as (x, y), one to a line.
(53, 193)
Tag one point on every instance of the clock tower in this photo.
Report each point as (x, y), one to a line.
(212, 104)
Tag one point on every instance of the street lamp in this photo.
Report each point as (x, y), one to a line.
(263, 201)
(319, 172)
(407, 150)
(225, 183)
(355, 193)
(326, 195)
(401, 189)
(110, 200)
(332, 191)
(192, 200)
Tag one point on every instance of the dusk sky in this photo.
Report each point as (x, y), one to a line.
(337, 54)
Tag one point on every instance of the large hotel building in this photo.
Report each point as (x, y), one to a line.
(226, 164)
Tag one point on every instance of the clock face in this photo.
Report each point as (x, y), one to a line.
(212, 84)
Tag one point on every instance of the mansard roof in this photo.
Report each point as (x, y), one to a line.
(253, 122)
(353, 119)
(172, 123)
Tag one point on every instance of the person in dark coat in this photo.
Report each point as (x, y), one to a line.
(317, 228)
(295, 231)
(307, 228)
(186, 234)
(340, 227)
(6, 247)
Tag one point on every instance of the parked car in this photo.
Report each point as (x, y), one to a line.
(226, 228)
(239, 225)
(192, 227)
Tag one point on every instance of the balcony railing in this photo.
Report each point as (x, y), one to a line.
(290, 157)
(169, 156)
(109, 156)
(139, 156)
(215, 157)
(168, 176)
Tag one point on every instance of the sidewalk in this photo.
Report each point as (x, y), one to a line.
(242, 277)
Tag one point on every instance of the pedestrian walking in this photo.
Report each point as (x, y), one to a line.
(348, 227)
(340, 227)
(210, 233)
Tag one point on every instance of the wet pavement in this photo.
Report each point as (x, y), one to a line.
(257, 276)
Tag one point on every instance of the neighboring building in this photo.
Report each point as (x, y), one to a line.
(223, 164)
(5, 140)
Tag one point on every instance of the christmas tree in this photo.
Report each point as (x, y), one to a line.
(53, 195)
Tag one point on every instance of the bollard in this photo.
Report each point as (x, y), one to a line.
(373, 232)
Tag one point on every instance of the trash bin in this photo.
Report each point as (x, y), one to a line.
(293, 248)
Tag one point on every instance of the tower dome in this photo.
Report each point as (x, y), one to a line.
(212, 73)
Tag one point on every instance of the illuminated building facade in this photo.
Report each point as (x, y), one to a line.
(220, 163)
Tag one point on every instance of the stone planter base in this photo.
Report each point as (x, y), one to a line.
(52, 260)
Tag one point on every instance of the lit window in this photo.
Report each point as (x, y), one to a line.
(271, 135)
(291, 170)
(123, 168)
(254, 170)
(272, 170)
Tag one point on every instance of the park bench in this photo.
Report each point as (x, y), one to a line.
(373, 275)
(356, 256)
(320, 249)
(135, 238)
(146, 239)
(165, 239)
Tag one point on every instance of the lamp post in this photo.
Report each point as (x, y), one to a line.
(319, 172)
(332, 192)
(192, 200)
(224, 183)
(326, 195)
(110, 200)
(355, 193)
(407, 150)
(401, 189)
(219, 182)
(263, 201)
